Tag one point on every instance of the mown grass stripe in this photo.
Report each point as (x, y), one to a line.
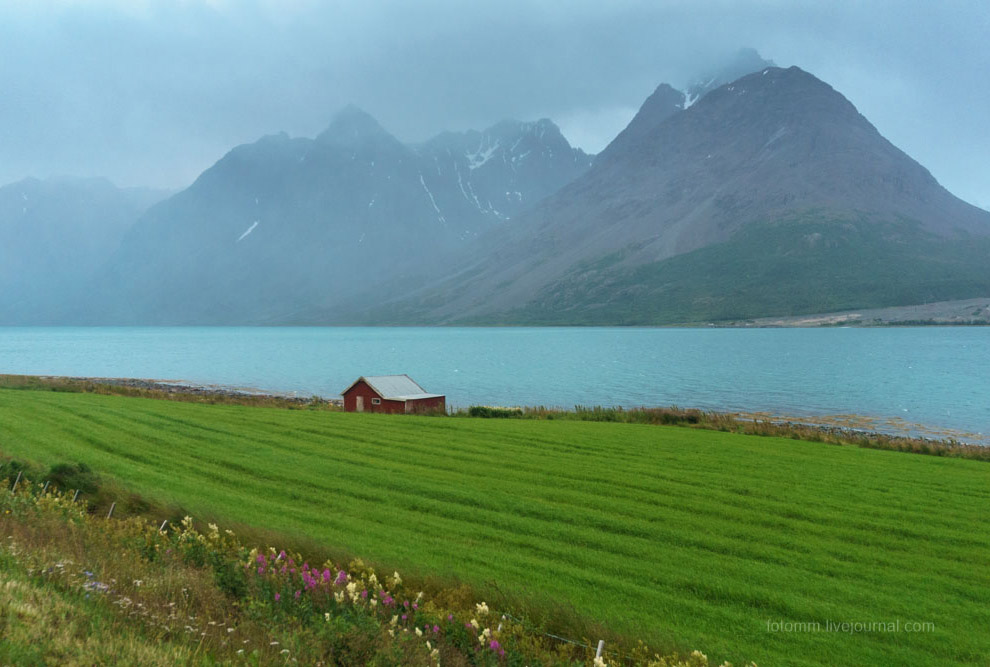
(699, 537)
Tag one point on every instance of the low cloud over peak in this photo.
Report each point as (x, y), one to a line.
(153, 92)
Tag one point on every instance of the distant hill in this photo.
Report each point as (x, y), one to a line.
(770, 195)
(290, 224)
(54, 235)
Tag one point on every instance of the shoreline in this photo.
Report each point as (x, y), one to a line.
(166, 389)
(192, 388)
(848, 426)
(862, 425)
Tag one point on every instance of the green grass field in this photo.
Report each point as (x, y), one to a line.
(666, 533)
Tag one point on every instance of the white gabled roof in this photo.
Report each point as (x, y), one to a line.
(394, 387)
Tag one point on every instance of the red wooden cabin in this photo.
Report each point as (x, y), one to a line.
(390, 393)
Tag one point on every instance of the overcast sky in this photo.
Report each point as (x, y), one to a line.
(151, 92)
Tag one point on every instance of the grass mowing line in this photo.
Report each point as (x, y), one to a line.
(243, 409)
(708, 588)
(136, 458)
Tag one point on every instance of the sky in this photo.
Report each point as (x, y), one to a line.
(152, 92)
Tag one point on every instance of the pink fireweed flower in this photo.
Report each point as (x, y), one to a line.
(281, 555)
(278, 597)
(326, 575)
(364, 594)
(406, 604)
(493, 645)
(298, 593)
(450, 617)
(436, 629)
(341, 578)
(404, 617)
(261, 559)
(261, 569)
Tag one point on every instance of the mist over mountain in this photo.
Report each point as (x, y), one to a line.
(762, 195)
(744, 61)
(769, 195)
(289, 224)
(54, 235)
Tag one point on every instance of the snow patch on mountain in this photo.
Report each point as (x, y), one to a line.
(432, 200)
(483, 154)
(248, 231)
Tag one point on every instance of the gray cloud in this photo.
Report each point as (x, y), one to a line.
(154, 91)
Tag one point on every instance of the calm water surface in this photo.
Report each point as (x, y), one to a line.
(938, 377)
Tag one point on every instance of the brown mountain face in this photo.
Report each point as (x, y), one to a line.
(778, 147)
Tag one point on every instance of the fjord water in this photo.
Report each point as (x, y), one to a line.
(935, 377)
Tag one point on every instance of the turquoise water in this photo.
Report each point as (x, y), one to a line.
(937, 377)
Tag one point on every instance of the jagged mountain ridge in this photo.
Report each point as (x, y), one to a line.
(667, 101)
(501, 171)
(290, 223)
(773, 152)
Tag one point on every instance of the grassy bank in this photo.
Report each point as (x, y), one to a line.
(78, 588)
(660, 416)
(162, 391)
(683, 537)
(720, 421)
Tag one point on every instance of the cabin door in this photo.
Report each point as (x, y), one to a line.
(360, 404)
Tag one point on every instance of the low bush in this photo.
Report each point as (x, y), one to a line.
(491, 412)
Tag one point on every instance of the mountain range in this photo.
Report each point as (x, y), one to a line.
(288, 224)
(771, 195)
(758, 191)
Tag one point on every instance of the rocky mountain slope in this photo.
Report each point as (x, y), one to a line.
(288, 224)
(769, 195)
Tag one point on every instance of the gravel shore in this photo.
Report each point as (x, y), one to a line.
(183, 387)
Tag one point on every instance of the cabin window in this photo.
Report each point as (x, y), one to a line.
(376, 401)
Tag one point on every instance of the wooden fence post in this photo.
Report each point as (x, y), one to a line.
(14, 487)
(75, 495)
(162, 527)
(112, 505)
(45, 488)
(601, 646)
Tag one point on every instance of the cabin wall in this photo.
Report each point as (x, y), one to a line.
(361, 389)
(387, 406)
(392, 407)
(427, 404)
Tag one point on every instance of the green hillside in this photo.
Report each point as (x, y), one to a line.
(811, 263)
(701, 538)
